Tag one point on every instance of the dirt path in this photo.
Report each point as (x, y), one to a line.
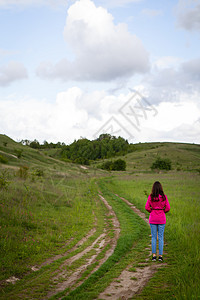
(81, 242)
(66, 279)
(68, 275)
(9, 154)
(130, 283)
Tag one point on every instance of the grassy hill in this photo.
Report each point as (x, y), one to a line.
(47, 206)
(184, 157)
(17, 155)
(43, 203)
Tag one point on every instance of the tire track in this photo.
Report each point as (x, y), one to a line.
(72, 280)
(130, 283)
(50, 260)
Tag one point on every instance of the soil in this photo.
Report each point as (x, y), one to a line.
(83, 167)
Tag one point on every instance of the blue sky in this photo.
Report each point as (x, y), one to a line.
(68, 67)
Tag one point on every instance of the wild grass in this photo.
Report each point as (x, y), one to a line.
(181, 280)
(38, 217)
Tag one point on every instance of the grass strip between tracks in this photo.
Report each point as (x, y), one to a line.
(133, 239)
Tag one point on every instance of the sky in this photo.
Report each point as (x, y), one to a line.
(75, 69)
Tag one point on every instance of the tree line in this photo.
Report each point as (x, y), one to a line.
(105, 146)
(83, 151)
(36, 144)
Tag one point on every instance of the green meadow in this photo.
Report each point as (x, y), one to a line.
(47, 206)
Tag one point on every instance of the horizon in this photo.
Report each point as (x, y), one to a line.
(61, 142)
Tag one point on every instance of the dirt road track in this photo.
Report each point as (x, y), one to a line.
(130, 283)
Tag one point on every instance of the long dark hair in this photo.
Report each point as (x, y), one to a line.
(157, 190)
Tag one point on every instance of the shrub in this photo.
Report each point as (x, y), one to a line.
(107, 165)
(3, 159)
(162, 164)
(4, 180)
(117, 165)
(23, 172)
(82, 161)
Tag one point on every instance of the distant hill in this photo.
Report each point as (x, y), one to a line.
(138, 157)
(184, 157)
(18, 154)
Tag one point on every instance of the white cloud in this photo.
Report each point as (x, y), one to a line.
(192, 68)
(173, 115)
(191, 131)
(167, 62)
(188, 14)
(34, 118)
(171, 78)
(103, 51)
(11, 72)
(76, 113)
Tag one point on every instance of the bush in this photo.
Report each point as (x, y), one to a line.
(117, 165)
(162, 164)
(4, 180)
(3, 159)
(82, 161)
(107, 165)
(23, 172)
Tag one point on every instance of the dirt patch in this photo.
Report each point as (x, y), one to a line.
(3, 166)
(83, 167)
(128, 283)
(9, 154)
(12, 280)
(72, 278)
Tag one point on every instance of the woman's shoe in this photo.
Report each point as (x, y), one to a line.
(153, 258)
(160, 258)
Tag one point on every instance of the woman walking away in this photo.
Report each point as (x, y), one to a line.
(157, 204)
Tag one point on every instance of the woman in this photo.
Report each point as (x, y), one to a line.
(157, 204)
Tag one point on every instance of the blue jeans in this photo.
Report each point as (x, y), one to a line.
(160, 229)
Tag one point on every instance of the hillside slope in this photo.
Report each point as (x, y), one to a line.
(184, 157)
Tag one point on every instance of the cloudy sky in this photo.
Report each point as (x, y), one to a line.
(71, 69)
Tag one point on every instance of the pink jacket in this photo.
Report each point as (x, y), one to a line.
(157, 210)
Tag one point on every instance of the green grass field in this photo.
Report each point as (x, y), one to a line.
(182, 233)
(47, 206)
